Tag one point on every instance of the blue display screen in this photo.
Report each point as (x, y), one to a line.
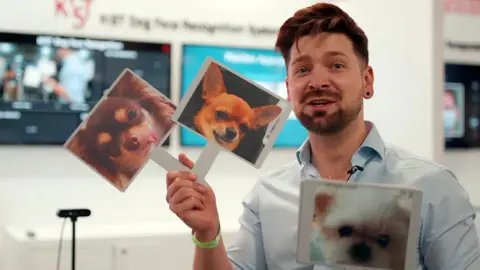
(265, 67)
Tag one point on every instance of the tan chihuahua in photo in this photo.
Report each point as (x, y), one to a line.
(226, 118)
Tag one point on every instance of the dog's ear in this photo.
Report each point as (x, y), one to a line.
(123, 86)
(323, 201)
(405, 204)
(265, 115)
(213, 84)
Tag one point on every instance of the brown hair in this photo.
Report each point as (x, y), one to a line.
(318, 18)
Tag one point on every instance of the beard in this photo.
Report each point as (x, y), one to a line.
(329, 123)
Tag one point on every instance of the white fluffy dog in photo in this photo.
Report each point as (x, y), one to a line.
(363, 226)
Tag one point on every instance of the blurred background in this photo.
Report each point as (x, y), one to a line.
(58, 57)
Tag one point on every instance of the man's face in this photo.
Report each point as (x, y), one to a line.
(449, 101)
(450, 113)
(62, 53)
(327, 82)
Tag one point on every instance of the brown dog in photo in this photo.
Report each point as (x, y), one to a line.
(226, 118)
(118, 137)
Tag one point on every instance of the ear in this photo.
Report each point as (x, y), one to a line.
(288, 91)
(147, 102)
(405, 202)
(213, 84)
(265, 115)
(123, 87)
(323, 201)
(161, 109)
(368, 80)
(155, 103)
(405, 205)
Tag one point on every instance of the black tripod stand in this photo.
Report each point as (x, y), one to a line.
(73, 214)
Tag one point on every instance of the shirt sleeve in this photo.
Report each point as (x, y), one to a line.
(450, 238)
(246, 252)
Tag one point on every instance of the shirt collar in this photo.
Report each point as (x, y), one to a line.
(373, 142)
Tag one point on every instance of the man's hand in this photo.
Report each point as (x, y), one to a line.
(192, 202)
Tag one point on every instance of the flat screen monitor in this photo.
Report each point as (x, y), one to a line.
(461, 114)
(264, 67)
(50, 83)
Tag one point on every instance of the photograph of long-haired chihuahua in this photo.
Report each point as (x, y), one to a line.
(119, 133)
(361, 226)
(231, 111)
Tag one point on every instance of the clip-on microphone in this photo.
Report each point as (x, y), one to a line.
(73, 214)
(353, 170)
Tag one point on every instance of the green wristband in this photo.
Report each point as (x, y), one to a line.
(211, 244)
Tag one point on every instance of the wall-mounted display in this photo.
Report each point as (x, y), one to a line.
(264, 67)
(461, 115)
(49, 83)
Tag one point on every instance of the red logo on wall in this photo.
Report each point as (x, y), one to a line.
(462, 6)
(78, 10)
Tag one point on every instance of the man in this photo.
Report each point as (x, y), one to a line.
(451, 115)
(326, 55)
(72, 84)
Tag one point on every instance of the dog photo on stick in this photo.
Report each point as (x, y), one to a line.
(360, 226)
(363, 227)
(119, 134)
(232, 112)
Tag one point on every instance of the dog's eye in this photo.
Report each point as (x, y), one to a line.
(345, 231)
(243, 128)
(222, 115)
(383, 240)
(131, 115)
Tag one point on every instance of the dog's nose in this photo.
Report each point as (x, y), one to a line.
(133, 143)
(360, 252)
(230, 133)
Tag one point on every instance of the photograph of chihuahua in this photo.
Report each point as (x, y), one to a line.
(118, 135)
(361, 226)
(230, 111)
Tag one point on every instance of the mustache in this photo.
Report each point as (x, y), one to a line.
(320, 93)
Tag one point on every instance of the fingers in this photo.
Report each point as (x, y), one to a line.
(173, 175)
(186, 205)
(186, 161)
(176, 185)
(184, 196)
(181, 190)
(209, 194)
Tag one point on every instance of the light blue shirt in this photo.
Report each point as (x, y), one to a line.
(73, 77)
(448, 238)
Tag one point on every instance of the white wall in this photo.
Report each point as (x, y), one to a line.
(462, 28)
(406, 72)
(36, 181)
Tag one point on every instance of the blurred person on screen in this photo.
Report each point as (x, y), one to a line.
(10, 84)
(328, 79)
(3, 74)
(451, 115)
(73, 77)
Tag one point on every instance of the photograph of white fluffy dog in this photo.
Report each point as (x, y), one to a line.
(363, 225)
